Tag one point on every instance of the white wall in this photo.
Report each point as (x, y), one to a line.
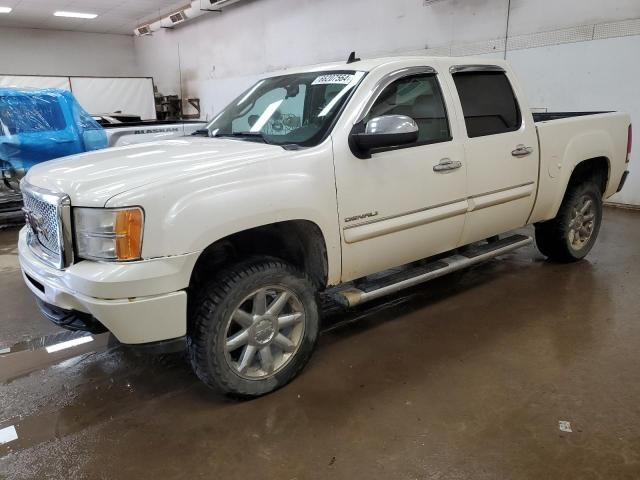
(219, 55)
(222, 53)
(596, 75)
(47, 52)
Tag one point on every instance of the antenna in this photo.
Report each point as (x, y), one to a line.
(352, 58)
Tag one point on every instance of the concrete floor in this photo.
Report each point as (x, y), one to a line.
(465, 377)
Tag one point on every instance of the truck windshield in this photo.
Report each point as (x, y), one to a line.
(297, 109)
(30, 114)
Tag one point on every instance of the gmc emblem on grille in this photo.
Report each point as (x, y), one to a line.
(36, 223)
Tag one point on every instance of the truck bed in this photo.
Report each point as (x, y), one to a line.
(549, 116)
(565, 139)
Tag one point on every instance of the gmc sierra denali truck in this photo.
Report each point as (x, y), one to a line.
(348, 180)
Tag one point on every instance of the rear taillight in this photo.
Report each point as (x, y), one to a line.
(629, 143)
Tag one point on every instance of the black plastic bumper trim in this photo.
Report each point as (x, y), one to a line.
(623, 180)
(71, 319)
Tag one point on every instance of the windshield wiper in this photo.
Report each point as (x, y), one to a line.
(250, 135)
(201, 133)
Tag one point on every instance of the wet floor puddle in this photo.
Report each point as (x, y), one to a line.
(100, 378)
(26, 357)
(77, 381)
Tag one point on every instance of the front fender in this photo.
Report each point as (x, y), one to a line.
(187, 214)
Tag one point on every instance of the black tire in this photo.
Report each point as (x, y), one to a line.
(215, 302)
(553, 236)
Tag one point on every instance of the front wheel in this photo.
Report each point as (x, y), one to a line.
(253, 329)
(570, 236)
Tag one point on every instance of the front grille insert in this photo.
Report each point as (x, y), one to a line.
(48, 219)
(44, 223)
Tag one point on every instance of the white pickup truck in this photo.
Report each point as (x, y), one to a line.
(351, 180)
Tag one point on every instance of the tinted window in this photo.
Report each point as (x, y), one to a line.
(420, 98)
(488, 103)
(30, 114)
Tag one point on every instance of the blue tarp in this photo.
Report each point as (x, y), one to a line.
(43, 124)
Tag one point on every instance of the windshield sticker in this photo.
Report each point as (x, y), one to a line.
(334, 79)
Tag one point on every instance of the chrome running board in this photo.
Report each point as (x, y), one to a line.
(367, 290)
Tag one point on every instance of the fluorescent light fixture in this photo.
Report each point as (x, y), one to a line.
(75, 15)
(5, 9)
(69, 344)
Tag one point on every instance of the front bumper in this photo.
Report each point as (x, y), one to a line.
(139, 302)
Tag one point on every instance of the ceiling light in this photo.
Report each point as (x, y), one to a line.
(76, 15)
(5, 9)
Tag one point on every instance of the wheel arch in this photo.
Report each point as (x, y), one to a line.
(298, 242)
(597, 167)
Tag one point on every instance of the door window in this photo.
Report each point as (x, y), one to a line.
(420, 98)
(488, 103)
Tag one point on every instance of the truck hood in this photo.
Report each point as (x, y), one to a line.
(91, 179)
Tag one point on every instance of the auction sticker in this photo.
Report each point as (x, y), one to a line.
(334, 79)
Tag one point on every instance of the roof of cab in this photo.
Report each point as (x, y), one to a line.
(367, 65)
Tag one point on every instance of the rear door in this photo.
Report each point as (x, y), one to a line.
(501, 151)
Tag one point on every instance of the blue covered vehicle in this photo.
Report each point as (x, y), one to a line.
(40, 125)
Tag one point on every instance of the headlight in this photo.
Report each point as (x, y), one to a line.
(113, 234)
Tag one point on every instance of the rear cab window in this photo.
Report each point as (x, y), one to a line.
(488, 102)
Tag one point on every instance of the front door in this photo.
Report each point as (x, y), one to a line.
(403, 203)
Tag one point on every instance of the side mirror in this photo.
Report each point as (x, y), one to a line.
(381, 132)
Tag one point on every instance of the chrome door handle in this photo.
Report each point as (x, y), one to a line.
(446, 164)
(522, 151)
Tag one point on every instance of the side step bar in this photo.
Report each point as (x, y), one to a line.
(366, 291)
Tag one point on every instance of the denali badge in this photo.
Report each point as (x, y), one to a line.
(361, 217)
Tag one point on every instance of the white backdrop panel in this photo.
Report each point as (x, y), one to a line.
(26, 81)
(108, 95)
(598, 75)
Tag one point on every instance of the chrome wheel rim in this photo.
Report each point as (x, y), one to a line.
(264, 332)
(582, 224)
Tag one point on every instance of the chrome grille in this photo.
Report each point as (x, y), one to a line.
(48, 216)
(47, 231)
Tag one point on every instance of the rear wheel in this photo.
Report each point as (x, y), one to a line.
(572, 233)
(253, 329)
